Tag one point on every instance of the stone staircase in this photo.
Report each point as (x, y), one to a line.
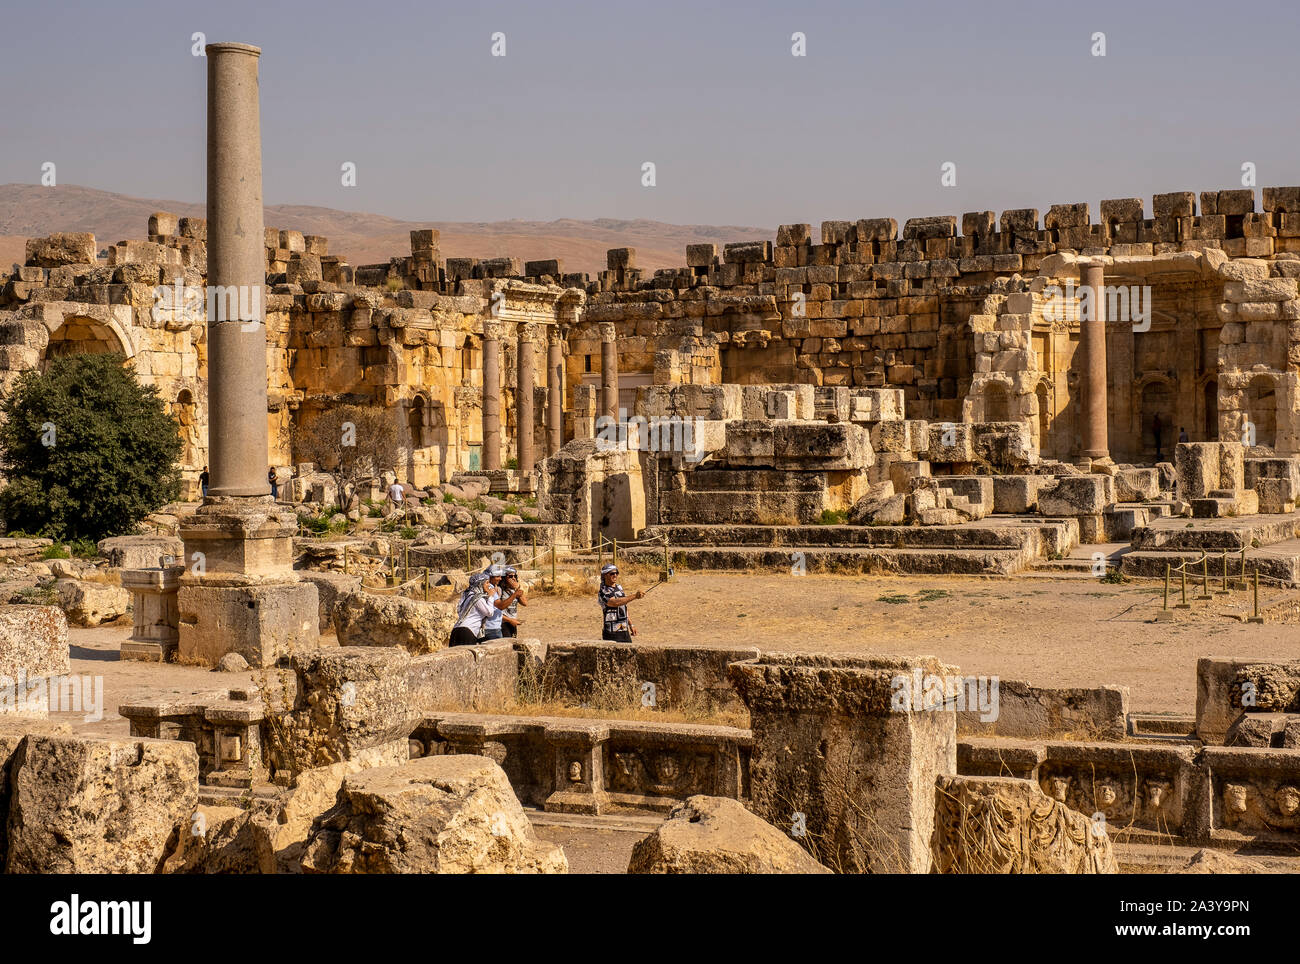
(1271, 545)
(996, 546)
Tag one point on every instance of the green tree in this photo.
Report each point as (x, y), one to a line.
(87, 451)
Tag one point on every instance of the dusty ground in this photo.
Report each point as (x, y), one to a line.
(1061, 632)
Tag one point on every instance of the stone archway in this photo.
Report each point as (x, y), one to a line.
(79, 335)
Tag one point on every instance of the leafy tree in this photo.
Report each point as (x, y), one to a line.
(87, 451)
(353, 443)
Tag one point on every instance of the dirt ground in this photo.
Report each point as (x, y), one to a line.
(1049, 631)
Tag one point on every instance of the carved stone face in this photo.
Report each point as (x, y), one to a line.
(1234, 798)
(1057, 787)
(575, 771)
(666, 767)
(1156, 791)
(1288, 800)
(1107, 794)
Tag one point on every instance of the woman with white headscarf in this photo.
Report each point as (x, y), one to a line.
(474, 607)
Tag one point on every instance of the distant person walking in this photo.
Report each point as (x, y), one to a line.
(613, 605)
(474, 607)
(203, 481)
(396, 496)
(275, 487)
(1183, 436)
(1157, 427)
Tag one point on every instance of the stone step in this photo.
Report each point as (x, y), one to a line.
(1216, 535)
(927, 561)
(1006, 532)
(1278, 564)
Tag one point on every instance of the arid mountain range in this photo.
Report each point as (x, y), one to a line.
(28, 210)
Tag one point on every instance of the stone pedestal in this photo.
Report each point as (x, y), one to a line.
(491, 395)
(525, 368)
(845, 757)
(157, 622)
(608, 371)
(239, 593)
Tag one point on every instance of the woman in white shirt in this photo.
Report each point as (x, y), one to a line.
(475, 606)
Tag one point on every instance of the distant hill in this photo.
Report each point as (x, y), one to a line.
(28, 210)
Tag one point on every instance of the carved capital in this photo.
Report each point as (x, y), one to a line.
(527, 331)
(607, 331)
(491, 330)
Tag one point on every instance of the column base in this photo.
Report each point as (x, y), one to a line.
(261, 623)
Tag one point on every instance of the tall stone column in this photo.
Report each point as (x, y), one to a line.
(239, 593)
(525, 378)
(555, 391)
(608, 371)
(1092, 345)
(491, 396)
(238, 436)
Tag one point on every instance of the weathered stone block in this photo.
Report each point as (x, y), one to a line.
(435, 815)
(715, 835)
(98, 805)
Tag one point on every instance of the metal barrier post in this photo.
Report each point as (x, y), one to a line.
(1257, 618)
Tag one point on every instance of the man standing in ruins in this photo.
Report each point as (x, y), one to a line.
(613, 605)
(396, 498)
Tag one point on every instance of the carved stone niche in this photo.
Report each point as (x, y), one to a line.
(578, 765)
(1140, 791)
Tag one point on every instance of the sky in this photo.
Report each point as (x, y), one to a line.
(740, 130)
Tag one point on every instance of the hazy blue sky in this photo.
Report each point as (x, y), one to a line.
(741, 131)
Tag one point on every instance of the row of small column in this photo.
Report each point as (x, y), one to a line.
(525, 380)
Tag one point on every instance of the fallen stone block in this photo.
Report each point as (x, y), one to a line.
(1018, 494)
(436, 815)
(140, 552)
(717, 835)
(98, 805)
(92, 603)
(347, 699)
(1077, 495)
(1137, 485)
(33, 642)
(365, 619)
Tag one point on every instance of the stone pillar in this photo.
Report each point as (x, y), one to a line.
(525, 366)
(608, 371)
(1092, 347)
(239, 593)
(491, 396)
(156, 631)
(238, 436)
(555, 391)
(846, 751)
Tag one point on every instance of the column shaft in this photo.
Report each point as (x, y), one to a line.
(1092, 342)
(608, 371)
(555, 393)
(491, 396)
(525, 379)
(238, 436)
